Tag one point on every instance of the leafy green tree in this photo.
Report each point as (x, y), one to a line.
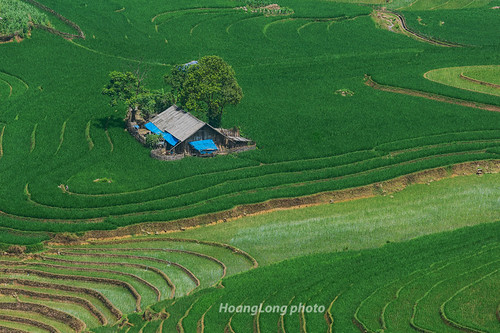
(163, 100)
(176, 78)
(124, 87)
(208, 87)
(144, 102)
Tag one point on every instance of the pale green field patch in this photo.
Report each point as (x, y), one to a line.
(451, 77)
(368, 223)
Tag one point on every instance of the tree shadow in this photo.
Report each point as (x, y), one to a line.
(114, 121)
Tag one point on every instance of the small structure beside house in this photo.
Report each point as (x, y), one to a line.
(182, 134)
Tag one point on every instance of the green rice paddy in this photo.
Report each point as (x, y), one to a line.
(398, 262)
(455, 77)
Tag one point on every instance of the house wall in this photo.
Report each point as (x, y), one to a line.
(204, 133)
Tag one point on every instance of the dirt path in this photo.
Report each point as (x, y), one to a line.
(483, 83)
(401, 23)
(440, 98)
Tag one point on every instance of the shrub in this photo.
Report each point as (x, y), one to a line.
(152, 140)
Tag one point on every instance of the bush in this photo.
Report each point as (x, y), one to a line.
(152, 140)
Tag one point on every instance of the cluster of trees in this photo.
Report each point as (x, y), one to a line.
(205, 88)
(16, 17)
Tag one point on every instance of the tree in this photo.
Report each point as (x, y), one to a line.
(208, 87)
(176, 78)
(126, 87)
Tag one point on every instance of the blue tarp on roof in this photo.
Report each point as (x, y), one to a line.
(167, 136)
(170, 138)
(153, 128)
(204, 146)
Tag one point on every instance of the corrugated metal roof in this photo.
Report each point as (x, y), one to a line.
(177, 122)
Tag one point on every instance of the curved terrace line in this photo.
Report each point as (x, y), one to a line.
(61, 287)
(432, 96)
(29, 322)
(264, 29)
(179, 327)
(188, 10)
(200, 325)
(450, 322)
(427, 272)
(417, 302)
(10, 87)
(49, 275)
(283, 185)
(304, 183)
(231, 248)
(305, 25)
(84, 269)
(402, 23)
(483, 83)
(33, 138)
(329, 315)
(426, 75)
(61, 137)
(97, 263)
(261, 176)
(117, 56)
(64, 299)
(26, 86)
(161, 261)
(1, 141)
(242, 20)
(291, 162)
(66, 21)
(281, 320)
(214, 173)
(205, 21)
(192, 253)
(11, 330)
(62, 317)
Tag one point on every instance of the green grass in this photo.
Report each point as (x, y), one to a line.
(415, 268)
(423, 274)
(94, 301)
(268, 54)
(180, 279)
(16, 16)
(34, 316)
(367, 223)
(21, 326)
(75, 310)
(458, 306)
(119, 296)
(289, 68)
(490, 74)
(12, 236)
(451, 77)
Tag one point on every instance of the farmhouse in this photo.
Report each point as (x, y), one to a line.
(183, 133)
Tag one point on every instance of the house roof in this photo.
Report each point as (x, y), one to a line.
(177, 122)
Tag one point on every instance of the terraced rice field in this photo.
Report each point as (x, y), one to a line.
(337, 147)
(86, 287)
(59, 139)
(429, 284)
(177, 282)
